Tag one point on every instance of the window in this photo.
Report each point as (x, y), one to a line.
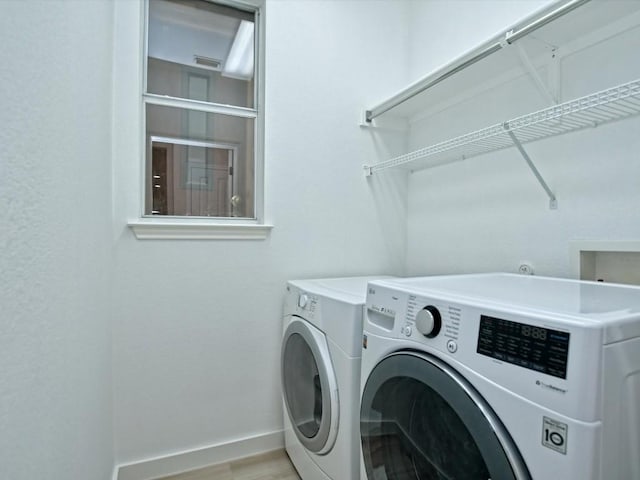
(203, 149)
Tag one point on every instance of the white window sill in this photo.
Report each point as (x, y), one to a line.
(195, 230)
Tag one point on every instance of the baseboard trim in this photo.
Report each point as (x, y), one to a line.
(175, 463)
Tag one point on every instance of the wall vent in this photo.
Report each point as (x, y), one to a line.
(207, 62)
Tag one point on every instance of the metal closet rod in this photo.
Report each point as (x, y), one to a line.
(483, 51)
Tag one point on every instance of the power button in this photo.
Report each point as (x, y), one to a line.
(452, 346)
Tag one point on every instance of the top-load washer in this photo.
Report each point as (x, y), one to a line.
(499, 376)
(320, 367)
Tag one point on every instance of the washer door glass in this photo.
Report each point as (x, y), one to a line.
(421, 420)
(308, 383)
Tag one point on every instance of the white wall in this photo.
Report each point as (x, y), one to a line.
(55, 223)
(198, 323)
(440, 31)
(489, 213)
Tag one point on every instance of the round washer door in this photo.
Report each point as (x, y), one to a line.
(420, 419)
(309, 386)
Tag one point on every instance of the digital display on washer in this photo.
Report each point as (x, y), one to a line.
(536, 348)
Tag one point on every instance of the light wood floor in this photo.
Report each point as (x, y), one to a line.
(268, 466)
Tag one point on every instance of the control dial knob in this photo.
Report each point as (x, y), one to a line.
(303, 299)
(428, 321)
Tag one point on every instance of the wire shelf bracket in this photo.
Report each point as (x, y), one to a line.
(553, 202)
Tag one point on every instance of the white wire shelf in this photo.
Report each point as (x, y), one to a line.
(586, 112)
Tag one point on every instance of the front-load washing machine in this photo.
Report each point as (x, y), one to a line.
(320, 367)
(499, 376)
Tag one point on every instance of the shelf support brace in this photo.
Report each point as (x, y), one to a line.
(535, 76)
(553, 202)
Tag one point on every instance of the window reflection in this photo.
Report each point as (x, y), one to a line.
(413, 433)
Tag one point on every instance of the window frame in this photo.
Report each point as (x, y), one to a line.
(194, 227)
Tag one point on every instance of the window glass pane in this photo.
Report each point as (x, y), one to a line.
(201, 51)
(199, 164)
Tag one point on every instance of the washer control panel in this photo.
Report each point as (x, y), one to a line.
(428, 321)
(470, 334)
(433, 320)
(302, 303)
(534, 347)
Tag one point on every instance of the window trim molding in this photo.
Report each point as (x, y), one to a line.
(197, 229)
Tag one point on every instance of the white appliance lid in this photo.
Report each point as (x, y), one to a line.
(594, 301)
(347, 289)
